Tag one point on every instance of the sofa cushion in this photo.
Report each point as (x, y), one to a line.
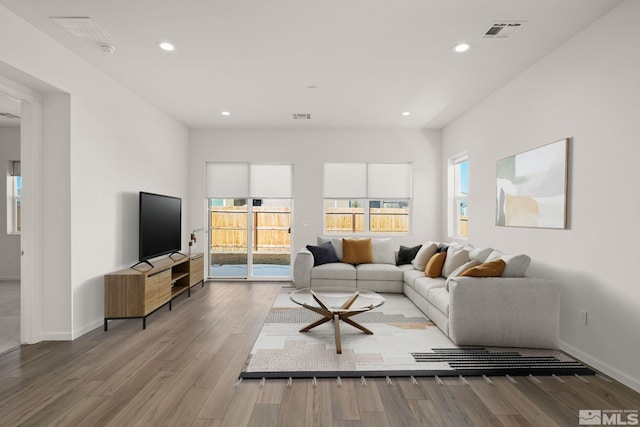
(406, 267)
(378, 272)
(487, 269)
(516, 264)
(406, 255)
(454, 259)
(323, 254)
(410, 276)
(424, 255)
(335, 270)
(335, 241)
(434, 266)
(382, 251)
(423, 284)
(357, 251)
(439, 297)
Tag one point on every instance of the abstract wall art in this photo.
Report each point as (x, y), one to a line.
(532, 187)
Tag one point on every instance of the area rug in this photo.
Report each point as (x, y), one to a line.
(404, 343)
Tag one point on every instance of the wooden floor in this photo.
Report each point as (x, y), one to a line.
(183, 370)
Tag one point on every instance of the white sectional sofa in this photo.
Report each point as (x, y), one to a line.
(507, 311)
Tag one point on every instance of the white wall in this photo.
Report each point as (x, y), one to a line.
(9, 243)
(308, 150)
(105, 145)
(587, 90)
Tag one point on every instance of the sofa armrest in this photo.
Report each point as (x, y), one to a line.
(504, 312)
(302, 269)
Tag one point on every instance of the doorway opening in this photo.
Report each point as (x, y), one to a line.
(11, 212)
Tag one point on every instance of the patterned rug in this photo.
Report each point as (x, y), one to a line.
(404, 343)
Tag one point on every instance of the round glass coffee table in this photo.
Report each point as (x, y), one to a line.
(336, 304)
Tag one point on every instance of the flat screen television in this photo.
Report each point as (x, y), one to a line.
(160, 225)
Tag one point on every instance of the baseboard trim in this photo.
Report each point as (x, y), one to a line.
(55, 336)
(88, 328)
(605, 368)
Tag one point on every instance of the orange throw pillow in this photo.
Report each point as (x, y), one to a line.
(357, 251)
(488, 269)
(434, 266)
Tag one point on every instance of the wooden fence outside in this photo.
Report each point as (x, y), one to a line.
(272, 226)
(381, 220)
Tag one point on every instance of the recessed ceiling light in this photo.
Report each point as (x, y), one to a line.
(225, 113)
(461, 47)
(167, 46)
(406, 113)
(107, 48)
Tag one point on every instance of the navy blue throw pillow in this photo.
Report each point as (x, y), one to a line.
(323, 254)
(442, 248)
(406, 255)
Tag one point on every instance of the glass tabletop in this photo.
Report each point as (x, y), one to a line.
(336, 298)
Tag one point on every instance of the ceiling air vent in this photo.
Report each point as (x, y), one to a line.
(303, 116)
(502, 30)
(9, 116)
(81, 26)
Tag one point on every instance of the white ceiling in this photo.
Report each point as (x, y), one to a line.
(370, 60)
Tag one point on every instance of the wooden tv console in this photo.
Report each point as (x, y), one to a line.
(135, 293)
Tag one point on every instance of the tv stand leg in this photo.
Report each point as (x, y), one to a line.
(105, 325)
(144, 323)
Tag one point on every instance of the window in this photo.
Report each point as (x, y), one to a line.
(14, 198)
(458, 196)
(361, 198)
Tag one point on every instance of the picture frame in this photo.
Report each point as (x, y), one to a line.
(531, 187)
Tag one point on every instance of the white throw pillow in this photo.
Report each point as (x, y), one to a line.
(480, 254)
(382, 251)
(455, 258)
(494, 255)
(423, 256)
(464, 267)
(516, 264)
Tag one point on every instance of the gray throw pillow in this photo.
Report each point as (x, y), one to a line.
(323, 254)
(406, 255)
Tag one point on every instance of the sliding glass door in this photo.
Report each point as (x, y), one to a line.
(250, 237)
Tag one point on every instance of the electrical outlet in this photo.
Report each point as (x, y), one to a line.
(306, 223)
(583, 317)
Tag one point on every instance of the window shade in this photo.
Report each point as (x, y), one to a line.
(242, 180)
(270, 181)
(389, 180)
(345, 180)
(227, 180)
